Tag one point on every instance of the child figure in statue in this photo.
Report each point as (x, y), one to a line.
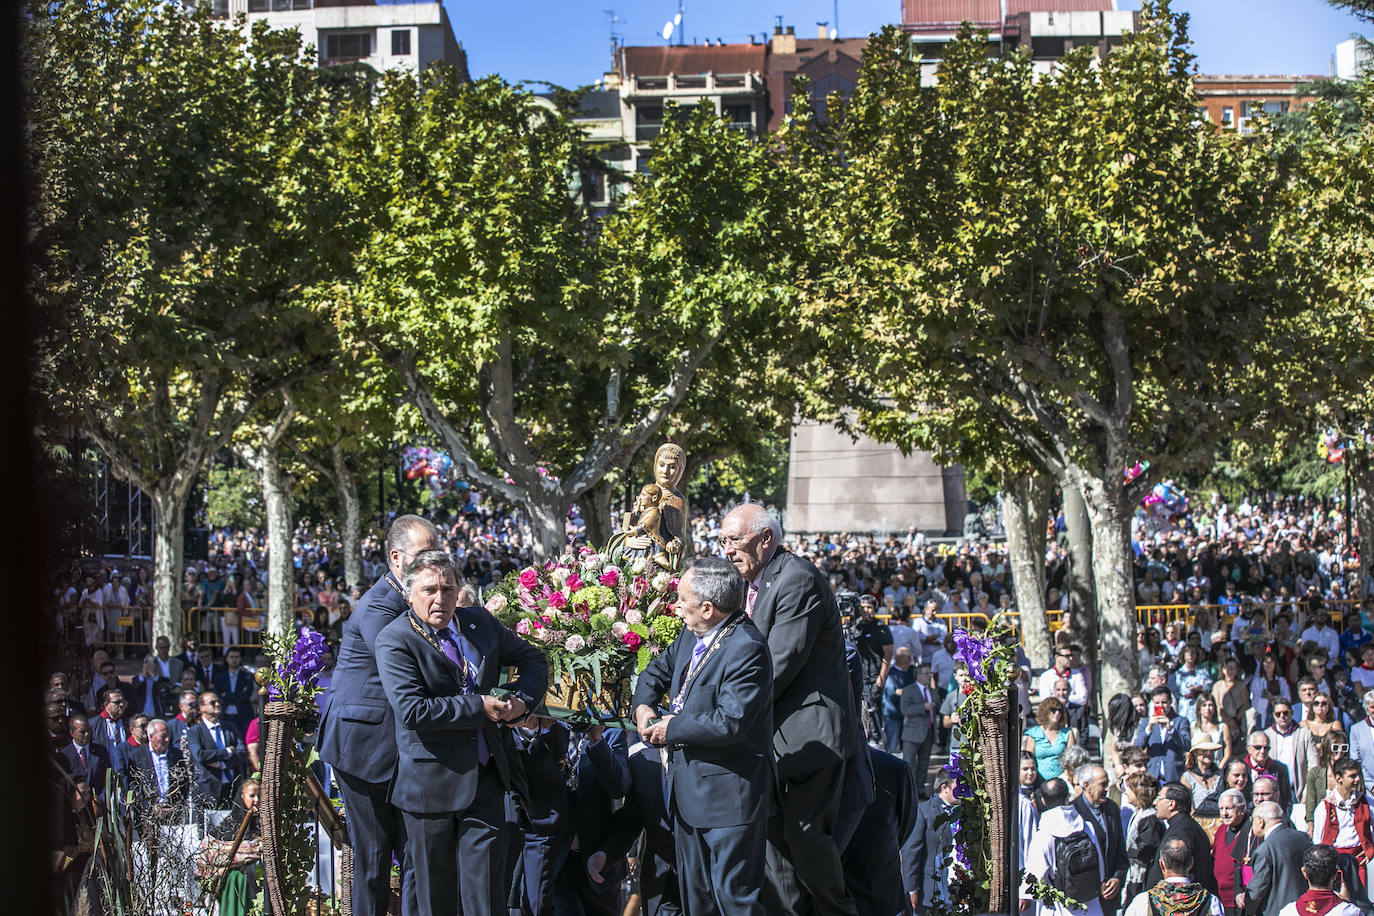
(656, 532)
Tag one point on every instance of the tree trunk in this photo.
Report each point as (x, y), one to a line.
(548, 524)
(1025, 507)
(597, 513)
(1361, 471)
(281, 578)
(169, 546)
(1084, 618)
(1109, 517)
(346, 486)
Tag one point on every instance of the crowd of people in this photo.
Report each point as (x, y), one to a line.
(1251, 701)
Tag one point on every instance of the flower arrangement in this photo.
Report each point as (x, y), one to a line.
(589, 615)
(989, 658)
(293, 676)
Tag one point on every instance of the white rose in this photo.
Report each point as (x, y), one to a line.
(633, 616)
(496, 604)
(593, 563)
(620, 628)
(612, 612)
(575, 643)
(560, 575)
(660, 582)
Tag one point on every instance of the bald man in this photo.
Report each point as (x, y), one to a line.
(814, 712)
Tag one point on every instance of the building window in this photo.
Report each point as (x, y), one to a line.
(648, 121)
(1047, 48)
(400, 42)
(741, 117)
(348, 45)
(1228, 116)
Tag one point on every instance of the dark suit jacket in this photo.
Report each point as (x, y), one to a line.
(142, 778)
(720, 769)
(163, 691)
(98, 764)
(645, 813)
(238, 692)
(603, 775)
(357, 732)
(436, 726)
(812, 701)
(544, 755)
(923, 849)
(209, 761)
(872, 861)
(1182, 826)
(916, 722)
(1277, 865)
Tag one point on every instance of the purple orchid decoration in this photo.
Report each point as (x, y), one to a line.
(972, 651)
(303, 666)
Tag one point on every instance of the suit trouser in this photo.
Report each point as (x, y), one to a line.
(917, 756)
(542, 857)
(377, 831)
(720, 869)
(462, 855)
(574, 894)
(804, 872)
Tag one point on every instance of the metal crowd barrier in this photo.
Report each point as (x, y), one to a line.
(128, 630)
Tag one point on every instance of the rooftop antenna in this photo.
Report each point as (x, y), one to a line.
(835, 32)
(616, 37)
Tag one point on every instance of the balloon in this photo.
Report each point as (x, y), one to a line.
(412, 473)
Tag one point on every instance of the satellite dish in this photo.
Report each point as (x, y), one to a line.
(834, 33)
(667, 30)
(677, 20)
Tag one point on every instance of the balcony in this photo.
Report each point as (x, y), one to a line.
(722, 83)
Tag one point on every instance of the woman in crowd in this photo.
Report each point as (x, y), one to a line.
(1193, 681)
(1070, 759)
(1147, 644)
(1321, 717)
(1232, 698)
(1029, 815)
(1235, 775)
(240, 887)
(1174, 641)
(1048, 737)
(1265, 687)
(1121, 726)
(1143, 833)
(1207, 728)
(1201, 775)
(1330, 747)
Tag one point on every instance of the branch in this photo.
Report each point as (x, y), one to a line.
(404, 364)
(496, 400)
(611, 448)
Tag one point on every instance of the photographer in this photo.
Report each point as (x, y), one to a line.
(874, 642)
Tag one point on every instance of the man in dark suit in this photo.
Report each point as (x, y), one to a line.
(718, 734)
(926, 849)
(872, 860)
(357, 734)
(644, 814)
(111, 729)
(438, 664)
(85, 758)
(597, 760)
(239, 688)
(1166, 736)
(209, 671)
(1103, 817)
(156, 774)
(815, 732)
(1277, 862)
(920, 706)
(217, 754)
(1174, 807)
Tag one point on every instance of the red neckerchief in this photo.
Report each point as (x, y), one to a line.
(1316, 902)
(181, 716)
(105, 715)
(1361, 814)
(1263, 772)
(132, 741)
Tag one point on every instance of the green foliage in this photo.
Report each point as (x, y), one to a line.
(759, 469)
(233, 498)
(1364, 9)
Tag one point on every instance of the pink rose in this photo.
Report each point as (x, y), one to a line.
(523, 628)
(639, 587)
(610, 578)
(557, 600)
(631, 640)
(574, 582)
(529, 577)
(672, 585)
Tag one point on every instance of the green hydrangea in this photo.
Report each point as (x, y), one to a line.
(601, 623)
(596, 597)
(665, 628)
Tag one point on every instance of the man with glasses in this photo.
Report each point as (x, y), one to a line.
(1261, 764)
(111, 729)
(1291, 745)
(217, 754)
(357, 734)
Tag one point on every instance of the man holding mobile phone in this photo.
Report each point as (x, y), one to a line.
(1165, 736)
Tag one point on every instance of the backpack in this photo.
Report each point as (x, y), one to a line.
(1075, 867)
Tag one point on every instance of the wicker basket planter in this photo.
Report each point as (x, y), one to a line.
(278, 725)
(998, 743)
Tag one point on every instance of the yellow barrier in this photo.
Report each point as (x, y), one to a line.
(129, 630)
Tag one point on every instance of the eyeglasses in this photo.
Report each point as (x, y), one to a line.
(1282, 714)
(736, 540)
(1339, 748)
(1259, 747)
(1321, 704)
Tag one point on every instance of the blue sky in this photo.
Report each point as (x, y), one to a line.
(568, 41)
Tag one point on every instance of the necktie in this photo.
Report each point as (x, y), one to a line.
(753, 597)
(85, 767)
(160, 767)
(219, 743)
(925, 693)
(698, 653)
(454, 653)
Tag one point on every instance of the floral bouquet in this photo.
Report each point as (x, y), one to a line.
(293, 677)
(599, 623)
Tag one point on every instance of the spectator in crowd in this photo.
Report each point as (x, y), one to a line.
(1061, 821)
(1276, 879)
(1321, 778)
(217, 753)
(185, 717)
(238, 690)
(1173, 807)
(1177, 893)
(1201, 776)
(1262, 765)
(1166, 736)
(1193, 680)
(1322, 717)
(1362, 739)
(150, 693)
(874, 642)
(1342, 821)
(156, 775)
(1103, 818)
(1290, 745)
(1233, 826)
(902, 675)
(1028, 815)
(85, 758)
(1207, 728)
(926, 858)
(1049, 737)
(930, 630)
(1266, 686)
(1325, 886)
(918, 726)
